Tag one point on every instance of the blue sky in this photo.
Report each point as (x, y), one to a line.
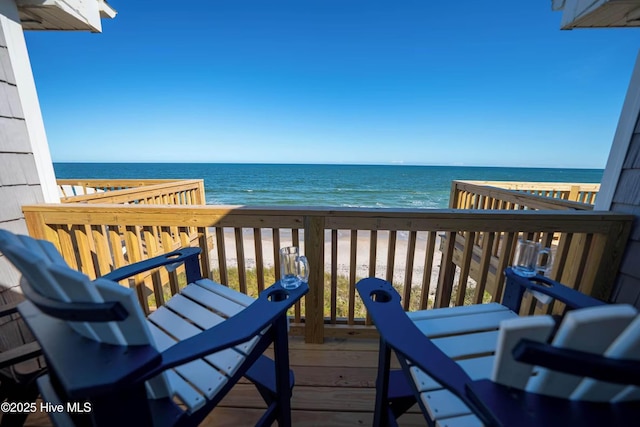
(334, 81)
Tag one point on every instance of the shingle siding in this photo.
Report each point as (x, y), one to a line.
(627, 291)
(627, 199)
(19, 182)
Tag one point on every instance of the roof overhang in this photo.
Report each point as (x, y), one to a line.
(64, 15)
(598, 13)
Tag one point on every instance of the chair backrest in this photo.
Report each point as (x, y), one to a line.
(49, 275)
(609, 330)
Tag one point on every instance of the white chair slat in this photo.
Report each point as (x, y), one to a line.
(227, 360)
(247, 346)
(203, 376)
(31, 265)
(44, 249)
(468, 344)
(506, 370)
(463, 324)
(225, 291)
(187, 394)
(463, 421)
(439, 313)
(173, 324)
(220, 304)
(626, 346)
(134, 328)
(78, 288)
(443, 404)
(203, 317)
(477, 368)
(199, 315)
(592, 330)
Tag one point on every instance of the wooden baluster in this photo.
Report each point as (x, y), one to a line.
(134, 254)
(242, 274)
(66, 245)
(353, 250)
(276, 251)
(485, 263)
(222, 257)
(151, 244)
(257, 241)
(467, 254)
(373, 260)
(504, 259)
(103, 253)
(203, 243)
(80, 235)
(295, 240)
(428, 267)
(408, 272)
(447, 272)
(167, 244)
(391, 255)
(334, 276)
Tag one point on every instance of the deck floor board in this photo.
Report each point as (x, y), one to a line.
(335, 386)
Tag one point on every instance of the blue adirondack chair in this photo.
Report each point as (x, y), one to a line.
(484, 365)
(171, 368)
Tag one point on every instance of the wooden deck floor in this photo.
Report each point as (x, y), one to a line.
(335, 386)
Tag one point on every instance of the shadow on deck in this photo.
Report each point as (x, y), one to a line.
(335, 386)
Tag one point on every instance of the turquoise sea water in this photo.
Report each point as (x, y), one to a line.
(324, 185)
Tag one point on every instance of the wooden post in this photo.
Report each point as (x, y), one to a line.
(314, 302)
(447, 272)
(453, 196)
(574, 192)
(201, 198)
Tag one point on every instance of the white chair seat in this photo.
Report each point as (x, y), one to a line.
(200, 306)
(468, 334)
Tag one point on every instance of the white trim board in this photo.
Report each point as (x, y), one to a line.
(19, 58)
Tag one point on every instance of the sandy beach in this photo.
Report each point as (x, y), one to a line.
(343, 255)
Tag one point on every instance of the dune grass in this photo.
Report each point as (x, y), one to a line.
(342, 290)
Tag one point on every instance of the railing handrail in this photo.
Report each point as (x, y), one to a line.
(142, 192)
(536, 185)
(515, 196)
(112, 183)
(342, 218)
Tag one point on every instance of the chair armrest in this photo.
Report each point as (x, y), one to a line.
(272, 303)
(187, 255)
(402, 335)
(575, 362)
(516, 285)
(20, 354)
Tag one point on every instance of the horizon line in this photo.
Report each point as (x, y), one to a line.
(327, 164)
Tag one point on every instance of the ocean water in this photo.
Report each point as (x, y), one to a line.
(392, 186)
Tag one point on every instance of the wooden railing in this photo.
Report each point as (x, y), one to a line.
(153, 192)
(417, 250)
(522, 195)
